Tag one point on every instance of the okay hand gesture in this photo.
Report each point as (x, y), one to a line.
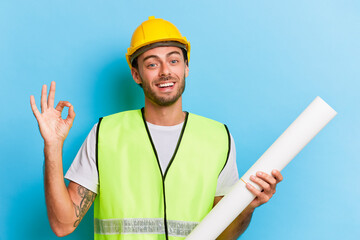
(53, 128)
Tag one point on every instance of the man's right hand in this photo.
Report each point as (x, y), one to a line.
(52, 127)
(65, 207)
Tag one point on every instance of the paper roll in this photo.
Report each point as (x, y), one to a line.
(278, 155)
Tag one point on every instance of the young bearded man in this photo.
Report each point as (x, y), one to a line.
(152, 173)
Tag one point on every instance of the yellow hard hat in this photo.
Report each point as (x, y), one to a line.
(152, 31)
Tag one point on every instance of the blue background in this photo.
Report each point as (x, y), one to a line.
(255, 65)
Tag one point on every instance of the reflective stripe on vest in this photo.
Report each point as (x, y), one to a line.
(133, 190)
(143, 226)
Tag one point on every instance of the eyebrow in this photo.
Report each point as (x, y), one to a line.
(155, 56)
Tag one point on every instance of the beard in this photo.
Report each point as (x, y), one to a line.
(163, 100)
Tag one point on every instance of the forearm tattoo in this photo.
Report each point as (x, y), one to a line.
(87, 198)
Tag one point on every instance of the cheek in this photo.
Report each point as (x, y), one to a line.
(184, 71)
(180, 72)
(148, 76)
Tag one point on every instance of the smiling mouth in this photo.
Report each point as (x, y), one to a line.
(165, 85)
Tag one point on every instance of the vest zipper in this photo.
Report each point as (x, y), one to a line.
(172, 159)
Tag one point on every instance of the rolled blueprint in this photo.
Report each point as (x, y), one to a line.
(278, 155)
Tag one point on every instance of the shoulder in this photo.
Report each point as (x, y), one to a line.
(121, 117)
(124, 114)
(127, 122)
(208, 128)
(204, 120)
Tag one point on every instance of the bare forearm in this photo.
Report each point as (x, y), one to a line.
(238, 226)
(60, 207)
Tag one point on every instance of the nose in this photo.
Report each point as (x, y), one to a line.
(165, 70)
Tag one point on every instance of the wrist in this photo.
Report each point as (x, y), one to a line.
(53, 145)
(249, 209)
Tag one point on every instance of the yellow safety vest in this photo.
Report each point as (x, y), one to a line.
(135, 200)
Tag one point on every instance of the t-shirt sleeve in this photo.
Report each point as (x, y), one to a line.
(229, 175)
(83, 169)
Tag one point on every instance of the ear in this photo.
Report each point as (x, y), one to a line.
(136, 76)
(186, 69)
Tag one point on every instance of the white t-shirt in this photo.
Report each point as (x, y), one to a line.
(83, 170)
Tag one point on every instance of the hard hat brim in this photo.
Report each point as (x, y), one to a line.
(155, 45)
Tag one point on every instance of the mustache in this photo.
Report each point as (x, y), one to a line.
(164, 79)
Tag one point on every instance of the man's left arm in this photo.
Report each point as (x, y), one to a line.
(268, 184)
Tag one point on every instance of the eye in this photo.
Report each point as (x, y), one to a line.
(151, 65)
(174, 61)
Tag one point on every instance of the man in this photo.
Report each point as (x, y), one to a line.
(153, 173)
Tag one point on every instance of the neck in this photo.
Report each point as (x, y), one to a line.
(164, 115)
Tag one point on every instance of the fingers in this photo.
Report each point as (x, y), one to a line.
(277, 175)
(263, 184)
(51, 97)
(43, 98)
(49, 103)
(71, 114)
(261, 196)
(267, 183)
(267, 178)
(60, 106)
(34, 108)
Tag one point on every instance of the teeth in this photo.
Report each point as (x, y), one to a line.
(166, 85)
